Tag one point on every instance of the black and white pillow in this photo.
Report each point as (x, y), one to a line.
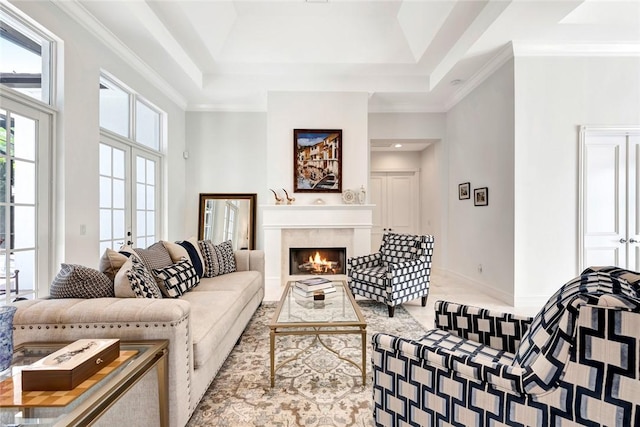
(142, 282)
(178, 278)
(218, 259)
(77, 281)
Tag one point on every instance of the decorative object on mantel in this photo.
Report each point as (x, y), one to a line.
(290, 200)
(349, 197)
(481, 196)
(317, 161)
(319, 201)
(464, 191)
(362, 195)
(6, 335)
(279, 199)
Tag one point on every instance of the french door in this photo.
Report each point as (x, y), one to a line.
(609, 198)
(129, 195)
(25, 199)
(396, 199)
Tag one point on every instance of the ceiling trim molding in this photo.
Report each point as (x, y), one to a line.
(407, 108)
(81, 16)
(501, 58)
(576, 49)
(227, 108)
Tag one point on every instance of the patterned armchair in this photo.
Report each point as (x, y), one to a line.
(399, 272)
(576, 363)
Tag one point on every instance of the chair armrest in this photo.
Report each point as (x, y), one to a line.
(477, 367)
(502, 331)
(365, 261)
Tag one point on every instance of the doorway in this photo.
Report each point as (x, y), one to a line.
(397, 202)
(609, 197)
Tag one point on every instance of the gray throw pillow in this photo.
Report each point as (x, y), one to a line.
(77, 281)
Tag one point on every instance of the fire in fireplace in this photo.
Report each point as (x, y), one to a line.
(317, 261)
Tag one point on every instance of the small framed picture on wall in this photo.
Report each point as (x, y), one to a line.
(481, 196)
(464, 191)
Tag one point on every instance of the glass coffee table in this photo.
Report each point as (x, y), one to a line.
(337, 314)
(89, 400)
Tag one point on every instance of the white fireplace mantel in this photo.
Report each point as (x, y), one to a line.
(352, 223)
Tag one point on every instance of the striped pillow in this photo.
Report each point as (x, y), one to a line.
(218, 259)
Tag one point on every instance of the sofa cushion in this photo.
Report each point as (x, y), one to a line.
(217, 302)
(111, 262)
(218, 259)
(77, 281)
(155, 256)
(186, 249)
(135, 281)
(177, 279)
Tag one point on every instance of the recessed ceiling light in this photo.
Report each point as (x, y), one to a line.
(398, 145)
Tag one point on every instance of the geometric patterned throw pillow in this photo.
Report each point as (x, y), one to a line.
(218, 259)
(142, 282)
(178, 278)
(397, 248)
(77, 281)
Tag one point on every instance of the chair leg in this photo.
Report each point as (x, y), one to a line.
(424, 301)
(391, 310)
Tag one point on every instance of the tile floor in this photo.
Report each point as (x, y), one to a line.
(448, 288)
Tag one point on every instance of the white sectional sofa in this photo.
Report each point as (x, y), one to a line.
(203, 325)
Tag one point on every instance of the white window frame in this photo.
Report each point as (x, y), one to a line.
(45, 235)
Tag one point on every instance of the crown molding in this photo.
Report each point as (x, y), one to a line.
(82, 16)
(497, 61)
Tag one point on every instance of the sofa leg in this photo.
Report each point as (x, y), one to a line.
(239, 339)
(424, 301)
(391, 310)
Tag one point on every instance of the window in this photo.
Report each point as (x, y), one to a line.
(129, 167)
(25, 57)
(25, 157)
(25, 141)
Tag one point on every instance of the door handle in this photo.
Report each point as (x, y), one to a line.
(623, 240)
(632, 240)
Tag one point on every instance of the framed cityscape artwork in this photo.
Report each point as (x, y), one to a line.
(317, 160)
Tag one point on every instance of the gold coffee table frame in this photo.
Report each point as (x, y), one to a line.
(93, 402)
(338, 314)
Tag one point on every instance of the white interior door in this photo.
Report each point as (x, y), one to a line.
(396, 199)
(609, 221)
(633, 199)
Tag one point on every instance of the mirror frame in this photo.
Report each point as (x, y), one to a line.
(252, 197)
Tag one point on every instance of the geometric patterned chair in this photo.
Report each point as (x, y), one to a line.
(575, 363)
(400, 271)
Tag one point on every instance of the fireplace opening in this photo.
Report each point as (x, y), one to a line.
(317, 261)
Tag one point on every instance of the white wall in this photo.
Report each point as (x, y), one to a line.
(554, 96)
(287, 111)
(227, 154)
(480, 140)
(80, 60)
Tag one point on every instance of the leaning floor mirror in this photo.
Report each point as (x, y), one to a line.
(228, 216)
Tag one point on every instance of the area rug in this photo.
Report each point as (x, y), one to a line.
(317, 389)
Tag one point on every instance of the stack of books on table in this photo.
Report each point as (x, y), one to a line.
(307, 287)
